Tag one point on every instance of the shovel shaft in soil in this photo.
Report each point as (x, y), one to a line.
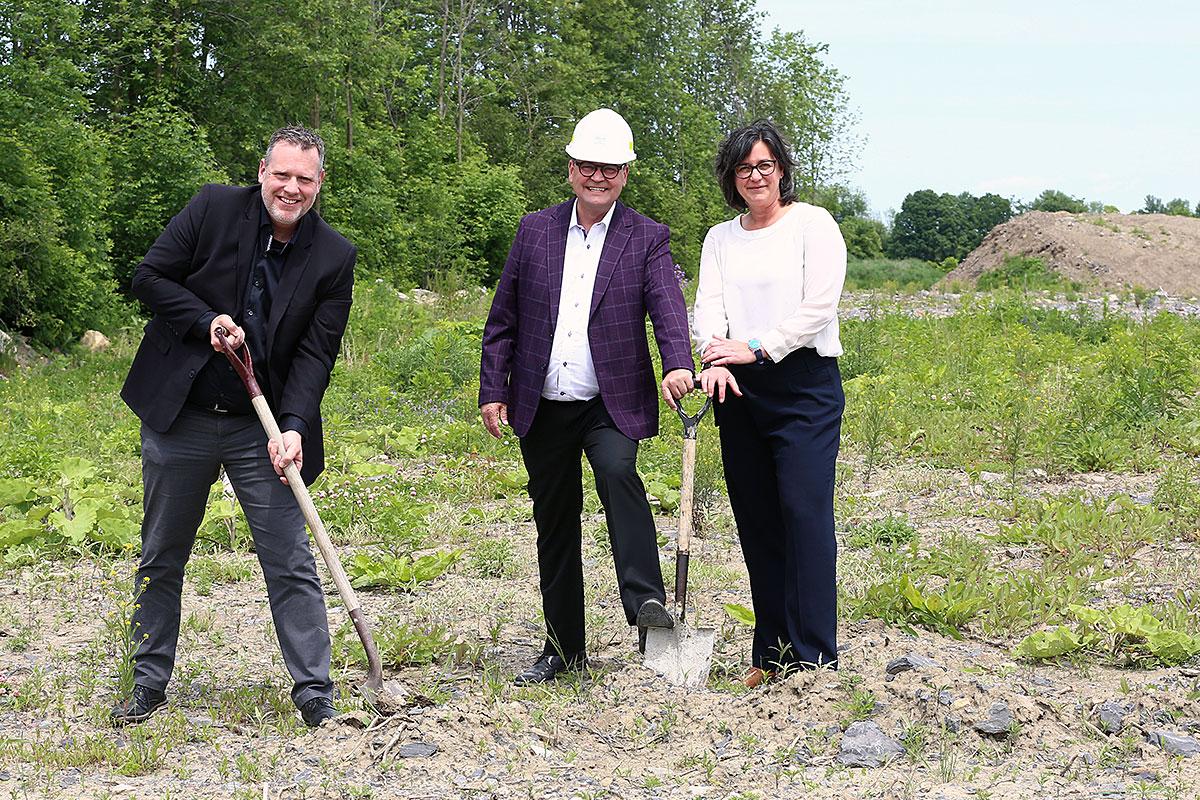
(245, 369)
(684, 541)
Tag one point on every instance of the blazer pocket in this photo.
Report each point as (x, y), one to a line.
(160, 338)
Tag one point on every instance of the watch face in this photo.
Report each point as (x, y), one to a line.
(754, 344)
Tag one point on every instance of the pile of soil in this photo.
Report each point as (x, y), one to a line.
(1112, 251)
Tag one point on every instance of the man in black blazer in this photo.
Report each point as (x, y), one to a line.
(257, 262)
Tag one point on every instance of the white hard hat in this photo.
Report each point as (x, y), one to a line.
(602, 136)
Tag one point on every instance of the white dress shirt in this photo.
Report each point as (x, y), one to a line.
(572, 374)
(780, 284)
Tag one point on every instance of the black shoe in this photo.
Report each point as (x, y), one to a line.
(141, 703)
(652, 614)
(316, 711)
(547, 668)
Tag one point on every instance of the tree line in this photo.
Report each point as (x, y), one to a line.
(445, 121)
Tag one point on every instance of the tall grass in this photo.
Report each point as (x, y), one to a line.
(907, 275)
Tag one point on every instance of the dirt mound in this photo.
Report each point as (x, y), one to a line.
(1113, 251)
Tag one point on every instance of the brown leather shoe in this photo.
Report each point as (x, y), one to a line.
(757, 677)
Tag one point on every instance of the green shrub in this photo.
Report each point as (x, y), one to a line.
(1022, 272)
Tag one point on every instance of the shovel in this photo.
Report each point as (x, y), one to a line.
(683, 654)
(381, 696)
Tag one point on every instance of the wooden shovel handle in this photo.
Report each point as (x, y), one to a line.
(245, 368)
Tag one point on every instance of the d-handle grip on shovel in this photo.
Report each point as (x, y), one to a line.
(245, 369)
(683, 542)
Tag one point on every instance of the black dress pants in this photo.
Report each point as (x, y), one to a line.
(561, 433)
(178, 467)
(779, 445)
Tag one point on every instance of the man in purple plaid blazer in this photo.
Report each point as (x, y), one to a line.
(566, 364)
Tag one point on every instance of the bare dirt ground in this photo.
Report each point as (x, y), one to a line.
(1112, 251)
(619, 732)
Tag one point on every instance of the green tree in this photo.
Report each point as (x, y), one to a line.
(1153, 206)
(864, 237)
(929, 226)
(1054, 200)
(158, 160)
(53, 180)
(1178, 207)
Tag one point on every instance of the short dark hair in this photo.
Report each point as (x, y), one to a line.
(300, 136)
(737, 145)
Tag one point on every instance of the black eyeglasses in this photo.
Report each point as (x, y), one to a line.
(765, 168)
(587, 169)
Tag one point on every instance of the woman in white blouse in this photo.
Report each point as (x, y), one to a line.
(767, 328)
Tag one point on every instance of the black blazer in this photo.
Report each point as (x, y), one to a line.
(200, 264)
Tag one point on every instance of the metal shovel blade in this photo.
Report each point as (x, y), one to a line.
(681, 654)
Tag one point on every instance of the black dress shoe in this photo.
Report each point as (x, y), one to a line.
(316, 711)
(652, 614)
(547, 668)
(141, 703)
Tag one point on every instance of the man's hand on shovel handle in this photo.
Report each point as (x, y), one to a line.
(293, 453)
(233, 334)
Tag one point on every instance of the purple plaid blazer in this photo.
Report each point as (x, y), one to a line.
(635, 276)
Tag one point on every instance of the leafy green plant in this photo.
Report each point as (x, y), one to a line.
(888, 531)
(901, 601)
(403, 645)
(1133, 634)
(493, 558)
(740, 614)
(398, 572)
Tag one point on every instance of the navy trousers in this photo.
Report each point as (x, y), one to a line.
(178, 468)
(779, 445)
(561, 434)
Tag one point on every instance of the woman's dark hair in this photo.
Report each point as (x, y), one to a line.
(737, 145)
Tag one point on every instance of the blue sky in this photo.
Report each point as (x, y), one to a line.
(1100, 99)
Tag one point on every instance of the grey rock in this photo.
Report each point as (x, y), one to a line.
(68, 778)
(417, 750)
(5, 342)
(866, 745)
(946, 697)
(990, 477)
(910, 661)
(1110, 716)
(1038, 680)
(952, 723)
(998, 722)
(1143, 498)
(1174, 744)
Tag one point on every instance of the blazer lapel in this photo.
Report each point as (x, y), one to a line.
(294, 266)
(556, 252)
(614, 244)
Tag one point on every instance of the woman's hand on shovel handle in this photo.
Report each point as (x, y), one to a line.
(293, 453)
(233, 334)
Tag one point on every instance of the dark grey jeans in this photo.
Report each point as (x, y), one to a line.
(178, 469)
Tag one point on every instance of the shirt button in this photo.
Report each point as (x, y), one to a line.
(564, 363)
(258, 283)
(249, 312)
(562, 394)
(568, 334)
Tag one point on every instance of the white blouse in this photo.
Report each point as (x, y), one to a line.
(780, 284)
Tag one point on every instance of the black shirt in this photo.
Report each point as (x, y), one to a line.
(217, 387)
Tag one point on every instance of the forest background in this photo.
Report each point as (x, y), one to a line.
(445, 121)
